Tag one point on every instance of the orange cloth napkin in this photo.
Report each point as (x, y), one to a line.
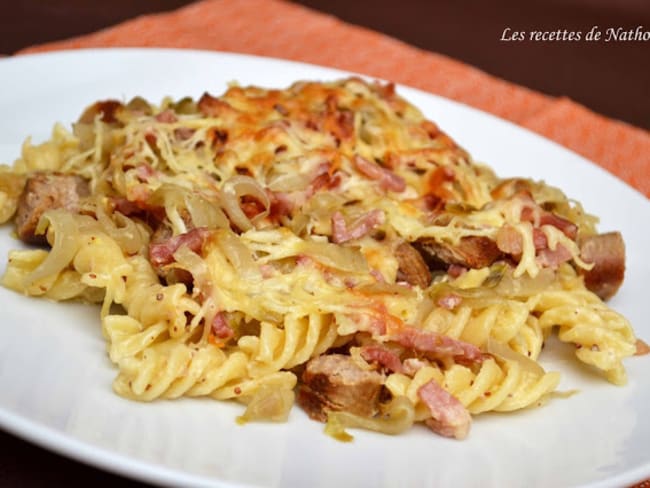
(284, 30)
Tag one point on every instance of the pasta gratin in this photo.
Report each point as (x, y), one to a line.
(323, 244)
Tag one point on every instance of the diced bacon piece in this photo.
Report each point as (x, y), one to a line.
(607, 253)
(334, 382)
(324, 178)
(412, 268)
(167, 117)
(641, 348)
(267, 270)
(124, 206)
(450, 301)
(438, 345)
(567, 227)
(304, 260)
(145, 172)
(221, 328)
(280, 205)
(529, 212)
(456, 270)
(341, 233)
(139, 194)
(161, 253)
(45, 191)
(553, 258)
(509, 240)
(449, 417)
(183, 133)
(386, 178)
(382, 356)
(376, 274)
(251, 206)
(539, 239)
(411, 366)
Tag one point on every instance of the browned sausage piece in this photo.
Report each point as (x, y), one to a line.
(44, 191)
(471, 252)
(412, 267)
(607, 253)
(333, 382)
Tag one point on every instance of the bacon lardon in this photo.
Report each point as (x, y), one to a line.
(437, 345)
(342, 233)
(383, 357)
(449, 417)
(161, 253)
(386, 178)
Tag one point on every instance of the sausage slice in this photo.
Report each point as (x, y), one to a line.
(45, 191)
(607, 253)
(334, 382)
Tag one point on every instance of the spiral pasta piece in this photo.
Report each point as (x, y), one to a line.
(603, 337)
(171, 368)
(295, 342)
(127, 337)
(150, 302)
(499, 386)
(59, 286)
(507, 321)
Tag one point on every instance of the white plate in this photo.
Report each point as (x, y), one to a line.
(55, 377)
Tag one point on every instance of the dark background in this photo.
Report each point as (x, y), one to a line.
(610, 78)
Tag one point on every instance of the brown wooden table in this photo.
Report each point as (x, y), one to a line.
(612, 78)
